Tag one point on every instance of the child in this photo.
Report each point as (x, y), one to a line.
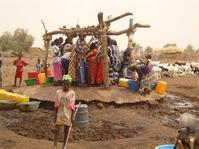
(38, 65)
(19, 63)
(43, 66)
(64, 107)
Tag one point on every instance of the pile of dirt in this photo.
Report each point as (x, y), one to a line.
(39, 125)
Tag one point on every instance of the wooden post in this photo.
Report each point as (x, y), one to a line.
(46, 46)
(46, 39)
(130, 34)
(103, 41)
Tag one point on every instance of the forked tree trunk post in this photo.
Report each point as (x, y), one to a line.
(103, 41)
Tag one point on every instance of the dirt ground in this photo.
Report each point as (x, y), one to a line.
(129, 126)
(184, 86)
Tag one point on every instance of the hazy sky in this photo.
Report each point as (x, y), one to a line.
(172, 21)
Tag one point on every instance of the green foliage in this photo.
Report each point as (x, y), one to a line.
(148, 50)
(19, 41)
(189, 48)
(137, 47)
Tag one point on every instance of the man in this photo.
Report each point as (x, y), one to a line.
(19, 63)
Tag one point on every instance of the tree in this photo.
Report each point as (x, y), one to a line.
(137, 47)
(6, 41)
(148, 50)
(19, 41)
(189, 48)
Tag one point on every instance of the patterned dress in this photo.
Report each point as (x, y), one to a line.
(72, 70)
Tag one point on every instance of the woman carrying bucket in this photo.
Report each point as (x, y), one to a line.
(64, 109)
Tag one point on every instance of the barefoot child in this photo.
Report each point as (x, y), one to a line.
(19, 63)
(64, 107)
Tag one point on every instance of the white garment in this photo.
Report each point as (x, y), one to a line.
(55, 53)
(66, 55)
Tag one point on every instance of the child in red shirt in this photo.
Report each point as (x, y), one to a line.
(19, 63)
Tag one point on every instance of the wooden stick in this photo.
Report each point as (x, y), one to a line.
(72, 123)
(44, 26)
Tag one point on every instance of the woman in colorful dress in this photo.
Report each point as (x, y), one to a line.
(92, 64)
(81, 49)
(115, 61)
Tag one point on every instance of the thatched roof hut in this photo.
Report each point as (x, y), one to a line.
(171, 50)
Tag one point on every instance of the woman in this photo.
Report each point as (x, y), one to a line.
(115, 61)
(64, 107)
(81, 60)
(92, 64)
(57, 66)
(66, 56)
(99, 78)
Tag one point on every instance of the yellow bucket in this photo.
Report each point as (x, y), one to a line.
(42, 78)
(123, 82)
(161, 87)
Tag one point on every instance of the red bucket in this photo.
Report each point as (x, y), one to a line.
(49, 73)
(32, 74)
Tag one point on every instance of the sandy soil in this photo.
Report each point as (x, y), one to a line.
(184, 86)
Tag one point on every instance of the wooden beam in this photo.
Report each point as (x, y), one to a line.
(89, 30)
(130, 29)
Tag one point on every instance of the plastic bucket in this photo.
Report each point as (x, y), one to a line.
(42, 78)
(82, 117)
(49, 73)
(133, 85)
(123, 82)
(30, 82)
(32, 74)
(161, 87)
(165, 146)
(50, 79)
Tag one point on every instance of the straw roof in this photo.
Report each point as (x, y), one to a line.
(171, 50)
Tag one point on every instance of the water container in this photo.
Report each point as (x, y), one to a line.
(165, 146)
(32, 74)
(49, 73)
(82, 119)
(42, 78)
(30, 82)
(161, 87)
(50, 79)
(123, 82)
(133, 85)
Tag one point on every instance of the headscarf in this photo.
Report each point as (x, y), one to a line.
(67, 78)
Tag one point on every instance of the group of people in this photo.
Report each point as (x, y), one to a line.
(40, 65)
(83, 60)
